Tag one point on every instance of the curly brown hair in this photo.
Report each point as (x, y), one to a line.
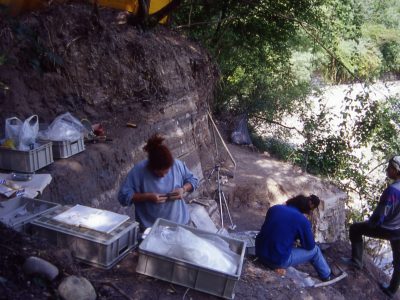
(160, 157)
(302, 203)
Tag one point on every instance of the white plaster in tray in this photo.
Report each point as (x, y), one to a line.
(92, 218)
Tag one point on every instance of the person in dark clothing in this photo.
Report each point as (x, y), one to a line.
(384, 223)
(283, 226)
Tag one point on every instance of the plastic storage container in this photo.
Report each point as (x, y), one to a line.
(26, 161)
(93, 247)
(249, 237)
(18, 212)
(64, 149)
(188, 274)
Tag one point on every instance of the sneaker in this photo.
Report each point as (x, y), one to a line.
(330, 277)
(335, 272)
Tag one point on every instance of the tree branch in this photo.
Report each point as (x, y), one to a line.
(304, 25)
(203, 23)
(277, 123)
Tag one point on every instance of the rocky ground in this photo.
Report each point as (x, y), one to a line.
(122, 281)
(66, 59)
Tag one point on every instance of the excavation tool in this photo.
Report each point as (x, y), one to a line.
(334, 280)
(221, 198)
(95, 132)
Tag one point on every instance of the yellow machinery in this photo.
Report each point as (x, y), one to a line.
(19, 6)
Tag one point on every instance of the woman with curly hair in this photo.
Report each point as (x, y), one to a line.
(156, 186)
(283, 226)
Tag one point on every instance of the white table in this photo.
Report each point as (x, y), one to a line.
(33, 187)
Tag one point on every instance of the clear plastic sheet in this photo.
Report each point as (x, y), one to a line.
(206, 250)
(64, 128)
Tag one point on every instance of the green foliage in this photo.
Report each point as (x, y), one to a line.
(362, 39)
(325, 156)
(367, 126)
(384, 134)
(252, 42)
(379, 34)
(268, 51)
(386, 12)
(302, 66)
(368, 61)
(391, 57)
(277, 148)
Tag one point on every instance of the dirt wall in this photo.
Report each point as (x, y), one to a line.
(67, 59)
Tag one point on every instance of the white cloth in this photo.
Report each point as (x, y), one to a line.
(33, 187)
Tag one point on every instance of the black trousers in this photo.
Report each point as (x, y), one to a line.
(357, 230)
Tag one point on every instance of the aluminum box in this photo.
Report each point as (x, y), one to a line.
(189, 274)
(93, 247)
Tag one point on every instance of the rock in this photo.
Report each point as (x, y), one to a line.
(76, 288)
(36, 265)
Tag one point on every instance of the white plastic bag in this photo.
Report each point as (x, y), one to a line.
(12, 128)
(64, 128)
(28, 133)
(209, 251)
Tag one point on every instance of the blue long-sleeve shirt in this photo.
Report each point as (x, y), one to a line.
(141, 180)
(387, 212)
(283, 225)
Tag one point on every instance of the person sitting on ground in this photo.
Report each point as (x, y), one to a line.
(384, 223)
(149, 182)
(283, 226)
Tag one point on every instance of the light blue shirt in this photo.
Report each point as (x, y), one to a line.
(141, 180)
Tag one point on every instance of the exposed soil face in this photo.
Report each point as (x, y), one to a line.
(64, 58)
(261, 181)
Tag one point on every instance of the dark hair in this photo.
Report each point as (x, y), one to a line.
(302, 203)
(395, 163)
(160, 158)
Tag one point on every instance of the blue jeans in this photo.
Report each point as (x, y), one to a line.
(314, 256)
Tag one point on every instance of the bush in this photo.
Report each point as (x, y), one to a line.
(277, 148)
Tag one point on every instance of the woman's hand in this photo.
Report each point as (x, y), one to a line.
(154, 197)
(149, 197)
(176, 194)
(157, 198)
